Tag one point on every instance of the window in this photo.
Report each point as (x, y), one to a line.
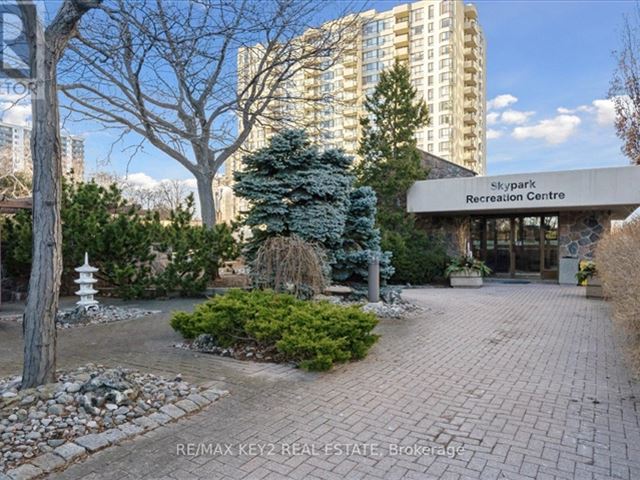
(417, 14)
(445, 77)
(445, 106)
(430, 94)
(417, 57)
(445, 119)
(445, 91)
(417, 30)
(430, 67)
(445, 36)
(429, 135)
(430, 80)
(430, 53)
(327, 76)
(445, 146)
(445, 50)
(431, 11)
(446, 63)
(445, 133)
(445, 22)
(369, 54)
(417, 83)
(416, 70)
(430, 147)
(430, 40)
(370, 79)
(446, 7)
(430, 27)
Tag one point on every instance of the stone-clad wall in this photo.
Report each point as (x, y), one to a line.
(441, 168)
(579, 232)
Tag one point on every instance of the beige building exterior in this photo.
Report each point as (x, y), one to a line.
(444, 47)
(15, 151)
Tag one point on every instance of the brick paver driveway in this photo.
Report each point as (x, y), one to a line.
(527, 380)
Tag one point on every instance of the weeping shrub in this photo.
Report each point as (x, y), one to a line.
(289, 264)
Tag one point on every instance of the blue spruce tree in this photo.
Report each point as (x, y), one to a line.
(360, 241)
(295, 189)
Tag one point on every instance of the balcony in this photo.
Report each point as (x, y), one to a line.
(470, 119)
(471, 53)
(350, 85)
(402, 53)
(470, 132)
(470, 107)
(470, 66)
(470, 144)
(470, 92)
(471, 27)
(401, 26)
(350, 112)
(470, 80)
(310, 82)
(350, 72)
(470, 41)
(402, 40)
(350, 60)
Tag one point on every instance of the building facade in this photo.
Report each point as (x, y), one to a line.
(443, 46)
(539, 224)
(15, 151)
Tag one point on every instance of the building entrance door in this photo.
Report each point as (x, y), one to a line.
(518, 245)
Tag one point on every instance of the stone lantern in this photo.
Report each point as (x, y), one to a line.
(86, 282)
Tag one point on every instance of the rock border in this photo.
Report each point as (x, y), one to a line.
(69, 452)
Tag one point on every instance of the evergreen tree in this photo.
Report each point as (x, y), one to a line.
(390, 165)
(390, 159)
(361, 240)
(295, 189)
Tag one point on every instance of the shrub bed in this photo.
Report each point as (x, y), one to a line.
(314, 335)
(618, 264)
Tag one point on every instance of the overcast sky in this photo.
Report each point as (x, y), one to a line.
(549, 64)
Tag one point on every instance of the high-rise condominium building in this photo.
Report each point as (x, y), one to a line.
(443, 45)
(15, 151)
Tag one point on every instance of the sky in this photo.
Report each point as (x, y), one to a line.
(549, 64)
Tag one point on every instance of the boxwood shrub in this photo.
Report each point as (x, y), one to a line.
(314, 335)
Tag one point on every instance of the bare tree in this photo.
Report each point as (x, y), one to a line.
(46, 46)
(171, 194)
(167, 71)
(625, 87)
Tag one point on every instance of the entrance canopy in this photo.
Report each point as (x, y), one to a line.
(616, 189)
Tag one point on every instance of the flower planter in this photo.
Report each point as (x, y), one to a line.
(467, 278)
(594, 287)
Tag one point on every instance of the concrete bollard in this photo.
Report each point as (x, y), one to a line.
(374, 279)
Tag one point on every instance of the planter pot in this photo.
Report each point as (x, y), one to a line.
(466, 279)
(594, 288)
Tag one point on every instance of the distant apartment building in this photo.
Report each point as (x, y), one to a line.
(15, 150)
(443, 45)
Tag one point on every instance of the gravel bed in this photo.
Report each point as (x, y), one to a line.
(88, 400)
(80, 316)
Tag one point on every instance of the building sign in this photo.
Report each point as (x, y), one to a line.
(616, 188)
(515, 192)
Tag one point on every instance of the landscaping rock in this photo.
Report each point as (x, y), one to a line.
(24, 472)
(86, 409)
(80, 316)
(93, 441)
(69, 451)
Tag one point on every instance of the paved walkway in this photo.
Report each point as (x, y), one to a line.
(527, 381)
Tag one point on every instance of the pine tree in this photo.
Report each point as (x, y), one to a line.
(390, 159)
(295, 189)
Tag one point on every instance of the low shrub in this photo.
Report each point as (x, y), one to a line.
(618, 261)
(314, 335)
(417, 259)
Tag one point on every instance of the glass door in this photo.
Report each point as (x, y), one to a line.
(526, 245)
(498, 244)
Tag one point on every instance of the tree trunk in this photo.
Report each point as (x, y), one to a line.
(46, 267)
(207, 201)
(39, 326)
